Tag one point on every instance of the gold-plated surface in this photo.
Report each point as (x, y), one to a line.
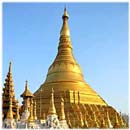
(83, 107)
(62, 113)
(109, 121)
(27, 92)
(52, 109)
(65, 77)
(65, 29)
(28, 103)
(31, 116)
(9, 95)
(10, 112)
(117, 124)
(17, 113)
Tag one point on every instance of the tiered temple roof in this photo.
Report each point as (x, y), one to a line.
(8, 96)
(27, 92)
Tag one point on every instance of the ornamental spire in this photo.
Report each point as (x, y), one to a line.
(10, 67)
(8, 92)
(26, 85)
(52, 109)
(65, 13)
(117, 124)
(65, 29)
(109, 121)
(62, 114)
(95, 120)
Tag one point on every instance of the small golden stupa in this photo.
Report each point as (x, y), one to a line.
(28, 101)
(83, 107)
(9, 102)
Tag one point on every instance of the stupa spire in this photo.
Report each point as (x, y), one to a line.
(117, 124)
(10, 67)
(109, 121)
(8, 93)
(52, 109)
(81, 119)
(65, 58)
(26, 85)
(62, 114)
(65, 28)
(117, 121)
(95, 120)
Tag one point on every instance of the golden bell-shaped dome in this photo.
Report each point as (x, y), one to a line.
(65, 76)
(64, 68)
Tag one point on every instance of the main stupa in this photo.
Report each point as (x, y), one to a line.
(84, 108)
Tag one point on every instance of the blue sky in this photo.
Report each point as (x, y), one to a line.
(99, 34)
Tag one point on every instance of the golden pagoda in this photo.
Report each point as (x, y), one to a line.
(9, 103)
(27, 96)
(28, 101)
(52, 109)
(62, 113)
(66, 78)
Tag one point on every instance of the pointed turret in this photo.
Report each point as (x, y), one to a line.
(81, 122)
(52, 109)
(62, 119)
(95, 121)
(62, 114)
(9, 94)
(85, 120)
(109, 121)
(52, 120)
(123, 123)
(117, 124)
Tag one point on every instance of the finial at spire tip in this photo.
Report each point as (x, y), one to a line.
(65, 12)
(65, 7)
(10, 66)
(26, 84)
